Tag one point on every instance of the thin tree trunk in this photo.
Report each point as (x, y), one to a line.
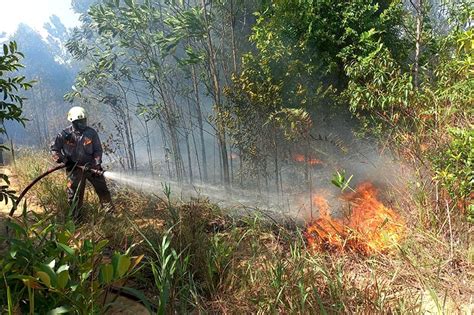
(128, 142)
(43, 118)
(197, 155)
(214, 158)
(419, 30)
(128, 130)
(37, 123)
(200, 122)
(148, 147)
(132, 140)
(232, 36)
(120, 131)
(190, 167)
(277, 169)
(191, 130)
(231, 165)
(241, 171)
(165, 147)
(217, 98)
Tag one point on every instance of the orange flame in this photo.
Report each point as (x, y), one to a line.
(370, 227)
(301, 158)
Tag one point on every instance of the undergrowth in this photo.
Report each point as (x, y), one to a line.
(200, 259)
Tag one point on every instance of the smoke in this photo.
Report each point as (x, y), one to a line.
(296, 200)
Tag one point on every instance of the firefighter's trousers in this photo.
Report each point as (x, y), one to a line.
(76, 187)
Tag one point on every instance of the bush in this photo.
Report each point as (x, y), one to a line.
(454, 169)
(49, 269)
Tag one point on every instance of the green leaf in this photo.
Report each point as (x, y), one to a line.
(106, 273)
(101, 245)
(63, 278)
(17, 228)
(63, 237)
(68, 250)
(44, 277)
(5, 49)
(60, 310)
(121, 263)
(9, 301)
(49, 271)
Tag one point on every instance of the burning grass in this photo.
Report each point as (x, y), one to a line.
(310, 160)
(371, 227)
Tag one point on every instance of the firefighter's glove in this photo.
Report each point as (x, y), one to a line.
(99, 168)
(59, 158)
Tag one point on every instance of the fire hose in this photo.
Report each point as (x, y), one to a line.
(85, 168)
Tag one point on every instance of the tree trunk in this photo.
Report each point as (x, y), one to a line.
(232, 36)
(197, 155)
(277, 169)
(165, 148)
(148, 147)
(200, 122)
(419, 30)
(217, 98)
(190, 167)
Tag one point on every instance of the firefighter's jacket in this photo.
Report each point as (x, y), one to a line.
(81, 147)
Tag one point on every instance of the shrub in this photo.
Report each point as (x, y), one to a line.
(49, 269)
(454, 168)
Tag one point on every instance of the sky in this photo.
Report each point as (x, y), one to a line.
(34, 13)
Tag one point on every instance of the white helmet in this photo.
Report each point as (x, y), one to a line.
(76, 113)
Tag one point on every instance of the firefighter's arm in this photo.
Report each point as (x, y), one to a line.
(56, 149)
(97, 146)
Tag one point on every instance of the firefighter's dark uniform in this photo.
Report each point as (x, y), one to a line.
(80, 148)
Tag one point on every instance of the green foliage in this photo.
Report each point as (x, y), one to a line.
(339, 180)
(172, 277)
(454, 168)
(430, 119)
(49, 269)
(379, 93)
(5, 192)
(294, 122)
(11, 103)
(255, 96)
(318, 37)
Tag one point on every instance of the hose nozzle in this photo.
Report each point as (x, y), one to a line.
(87, 168)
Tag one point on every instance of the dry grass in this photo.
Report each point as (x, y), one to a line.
(248, 265)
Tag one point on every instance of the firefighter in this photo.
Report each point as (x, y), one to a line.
(79, 145)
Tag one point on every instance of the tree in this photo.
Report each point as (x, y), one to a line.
(12, 101)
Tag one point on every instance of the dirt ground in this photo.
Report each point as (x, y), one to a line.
(5, 208)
